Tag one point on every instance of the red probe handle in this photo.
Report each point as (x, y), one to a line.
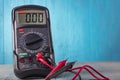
(60, 65)
(40, 58)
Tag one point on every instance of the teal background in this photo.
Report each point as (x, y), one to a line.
(82, 30)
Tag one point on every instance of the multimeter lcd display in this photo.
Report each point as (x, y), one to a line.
(31, 17)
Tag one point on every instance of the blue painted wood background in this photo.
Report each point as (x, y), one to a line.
(83, 30)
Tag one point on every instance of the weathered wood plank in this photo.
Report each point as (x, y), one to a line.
(1, 32)
(82, 30)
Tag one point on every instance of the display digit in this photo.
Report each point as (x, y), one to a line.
(40, 17)
(34, 17)
(28, 17)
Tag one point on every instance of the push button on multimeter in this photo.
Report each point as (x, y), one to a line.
(23, 54)
(21, 30)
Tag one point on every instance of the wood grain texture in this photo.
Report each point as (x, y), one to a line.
(83, 30)
(112, 71)
(1, 33)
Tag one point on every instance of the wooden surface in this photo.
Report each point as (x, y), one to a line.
(109, 69)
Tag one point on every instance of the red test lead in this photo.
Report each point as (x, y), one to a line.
(40, 58)
(87, 67)
(60, 65)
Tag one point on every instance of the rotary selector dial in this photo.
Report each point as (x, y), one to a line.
(33, 42)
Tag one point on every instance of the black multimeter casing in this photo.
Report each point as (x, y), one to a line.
(28, 40)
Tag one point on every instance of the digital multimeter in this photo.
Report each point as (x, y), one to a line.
(31, 35)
